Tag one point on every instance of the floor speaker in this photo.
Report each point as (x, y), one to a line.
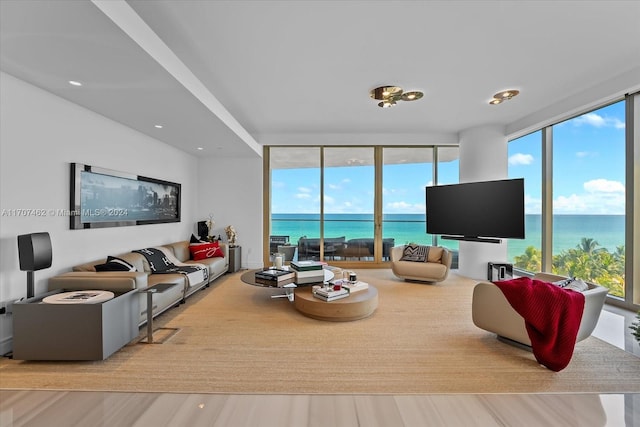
(34, 253)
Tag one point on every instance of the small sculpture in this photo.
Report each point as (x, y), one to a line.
(231, 235)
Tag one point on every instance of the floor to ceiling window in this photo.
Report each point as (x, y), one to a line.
(448, 172)
(581, 227)
(334, 204)
(589, 197)
(405, 174)
(295, 195)
(349, 189)
(525, 161)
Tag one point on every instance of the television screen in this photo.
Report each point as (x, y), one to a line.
(477, 209)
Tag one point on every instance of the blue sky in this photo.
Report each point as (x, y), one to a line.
(588, 174)
(588, 164)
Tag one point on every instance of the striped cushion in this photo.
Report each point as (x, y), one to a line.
(415, 253)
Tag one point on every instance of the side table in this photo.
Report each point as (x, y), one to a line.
(44, 331)
(235, 257)
(155, 289)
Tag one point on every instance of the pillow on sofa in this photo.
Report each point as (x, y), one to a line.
(422, 253)
(115, 264)
(434, 254)
(572, 284)
(414, 253)
(205, 250)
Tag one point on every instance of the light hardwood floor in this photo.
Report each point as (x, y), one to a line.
(75, 408)
(50, 408)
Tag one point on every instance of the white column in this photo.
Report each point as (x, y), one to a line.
(483, 157)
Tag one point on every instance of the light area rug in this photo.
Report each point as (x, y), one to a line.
(234, 338)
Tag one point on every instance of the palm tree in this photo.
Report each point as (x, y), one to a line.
(531, 260)
(588, 245)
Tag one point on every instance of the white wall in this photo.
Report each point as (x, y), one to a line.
(231, 189)
(40, 134)
(483, 157)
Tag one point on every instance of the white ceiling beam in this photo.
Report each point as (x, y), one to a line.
(130, 22)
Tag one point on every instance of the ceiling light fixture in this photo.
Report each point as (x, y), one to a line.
(505, 95)
(158, 126)
(389, 95)
(75, 83)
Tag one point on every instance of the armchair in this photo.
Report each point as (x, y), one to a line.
(492, 312)
(434, 269)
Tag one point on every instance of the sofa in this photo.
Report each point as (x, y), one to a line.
(433, 268)
(84, 276)
(363, 248)
(309, 248)
(341, 248)
(492, 312)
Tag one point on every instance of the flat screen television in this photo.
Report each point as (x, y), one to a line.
(477, 211)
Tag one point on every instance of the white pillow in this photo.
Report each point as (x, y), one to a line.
(572, 284)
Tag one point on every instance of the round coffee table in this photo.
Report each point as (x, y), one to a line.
(249, 277)
(357, 306)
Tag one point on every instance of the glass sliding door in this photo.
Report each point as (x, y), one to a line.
(406, 172)
(349, 194)
(448, 172)
(525, 161)
(589, 197)
(295, 185)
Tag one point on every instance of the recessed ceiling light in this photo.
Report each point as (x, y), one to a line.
(158, 126)
(75, 83)
(200, 148)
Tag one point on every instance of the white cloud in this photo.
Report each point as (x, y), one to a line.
(596, 120)
(520, 159)
(404, 207)
(592, 119)
(302, 196)
(304, 190)
(571, 204)
(603, 186)
(618, 124)
(532, 205)
(334, 187)
(601, 196)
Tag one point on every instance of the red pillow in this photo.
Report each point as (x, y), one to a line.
(205, 250)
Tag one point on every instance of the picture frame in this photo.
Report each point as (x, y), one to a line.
(102, 197)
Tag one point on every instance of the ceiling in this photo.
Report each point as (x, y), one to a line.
(230, 76)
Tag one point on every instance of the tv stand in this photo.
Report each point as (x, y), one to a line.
(472, 239)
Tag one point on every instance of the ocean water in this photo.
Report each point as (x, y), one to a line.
(607, 230)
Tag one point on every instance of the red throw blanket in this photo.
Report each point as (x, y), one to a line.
(552, 316)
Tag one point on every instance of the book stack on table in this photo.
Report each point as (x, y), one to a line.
(330, 294)
(355, 287)
(275, 277)
(308, 272)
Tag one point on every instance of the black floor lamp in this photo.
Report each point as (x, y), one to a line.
(34, 252)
